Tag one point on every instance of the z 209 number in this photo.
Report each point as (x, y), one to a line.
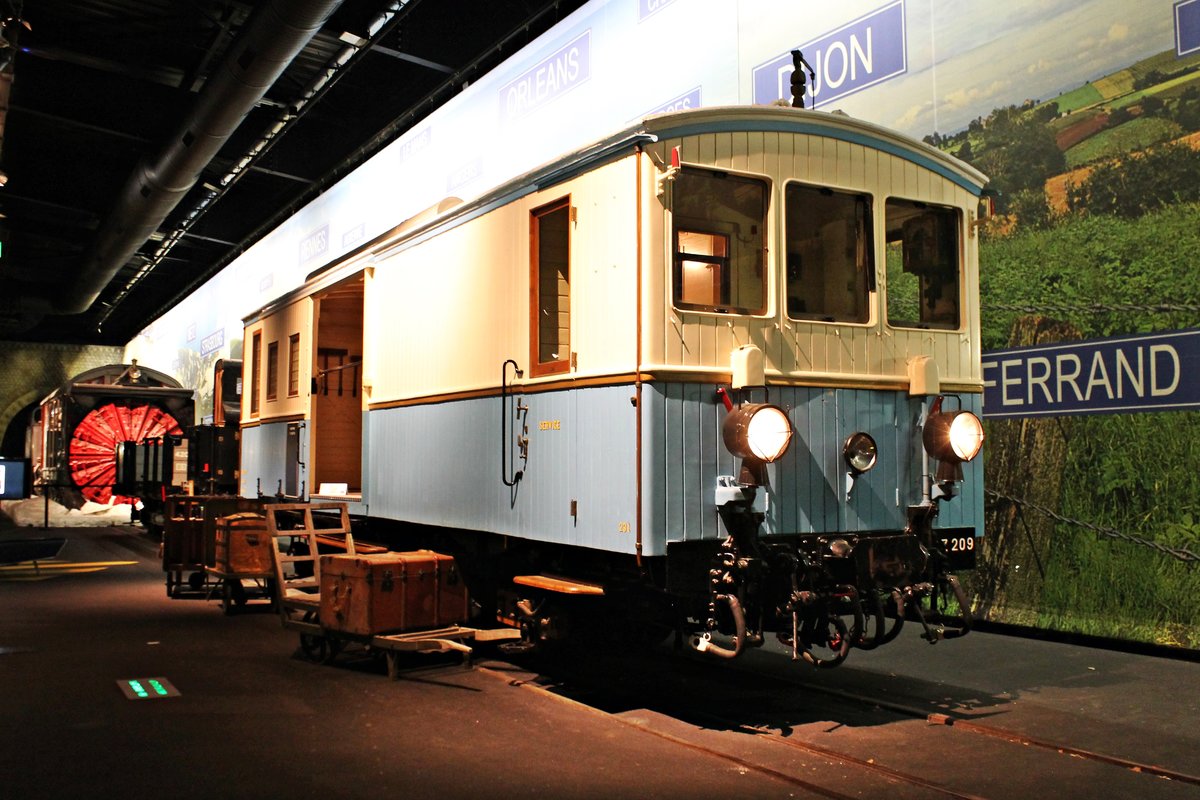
(961, 544)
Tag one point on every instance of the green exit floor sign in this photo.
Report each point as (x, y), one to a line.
(147, 688)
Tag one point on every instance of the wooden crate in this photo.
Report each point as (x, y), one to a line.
(391, 592)
(243, 546)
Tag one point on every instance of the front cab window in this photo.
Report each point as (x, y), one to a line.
(830, 257)
(924, 265)
(719, 242)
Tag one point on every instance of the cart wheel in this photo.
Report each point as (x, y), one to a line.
(196, 581)
(227, 595)
(170, 587)
(315, 647)
(319, 649)
(239, 592)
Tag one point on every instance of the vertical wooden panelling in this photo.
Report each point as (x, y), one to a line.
(440, 464)
(684, 456)
(698, 340)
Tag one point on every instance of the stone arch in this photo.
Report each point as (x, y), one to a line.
(16, 405)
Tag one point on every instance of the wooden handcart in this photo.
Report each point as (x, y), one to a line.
(297, 539)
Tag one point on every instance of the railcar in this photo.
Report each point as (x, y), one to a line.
(718, 373)
(112, 434)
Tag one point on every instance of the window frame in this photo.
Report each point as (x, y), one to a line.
(293, 365)
(871, 235)
(255, 371)
(675, 262)
(272, 371)
(562, 365)
(961, 263)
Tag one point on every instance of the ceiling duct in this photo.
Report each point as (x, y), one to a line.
(271, 39)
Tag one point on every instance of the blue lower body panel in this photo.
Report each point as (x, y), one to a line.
(444, 464)
(808, 489)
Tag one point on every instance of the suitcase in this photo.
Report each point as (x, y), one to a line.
(391, 592)
(243, 546)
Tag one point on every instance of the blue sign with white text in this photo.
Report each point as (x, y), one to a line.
(1187, 27)
(685, 102)
(561, 71)
(1152, 372)
(213, 342)
(648, 7)
(862, 53)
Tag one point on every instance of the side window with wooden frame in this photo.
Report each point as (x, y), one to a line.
(293, 365)
(255, 370)
(272, 370)
(550, 288)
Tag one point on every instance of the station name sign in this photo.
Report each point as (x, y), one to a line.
(1119, 375)
(1187, 27)
(558, 73)
(862, 53)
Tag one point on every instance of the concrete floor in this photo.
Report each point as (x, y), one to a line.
(256, 720)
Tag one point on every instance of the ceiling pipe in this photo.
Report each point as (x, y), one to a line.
(272, 38)
(386, 22)
(456, 82)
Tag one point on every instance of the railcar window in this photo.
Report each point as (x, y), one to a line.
(719, 242)
(830, 258)
(924, 265)
(255, 366)
(550, 275)
(272, 370)
(294, 365)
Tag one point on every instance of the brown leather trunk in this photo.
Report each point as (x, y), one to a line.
(242, 545)
(391, 592)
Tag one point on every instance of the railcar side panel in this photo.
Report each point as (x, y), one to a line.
(467, 292)
(265, 459)
(279, 400)
(441, 464)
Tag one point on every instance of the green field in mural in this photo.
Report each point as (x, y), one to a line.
(1094, 522)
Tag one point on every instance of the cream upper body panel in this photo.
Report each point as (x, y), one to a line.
(815, 149)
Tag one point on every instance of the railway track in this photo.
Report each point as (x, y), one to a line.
(831, 742)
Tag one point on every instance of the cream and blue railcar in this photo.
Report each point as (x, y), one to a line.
(726, 359)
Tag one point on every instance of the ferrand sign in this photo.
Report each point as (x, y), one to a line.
(1152, 372)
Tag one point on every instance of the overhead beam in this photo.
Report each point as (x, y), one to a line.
(167, 76)
(424, 62)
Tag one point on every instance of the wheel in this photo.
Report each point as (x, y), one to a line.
(227, 601)
(239, 592)
(826, 645)
(315, 647)
(196, 581)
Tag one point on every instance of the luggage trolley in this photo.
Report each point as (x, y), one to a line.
(332, 601)
(242, 562)
(188, 547)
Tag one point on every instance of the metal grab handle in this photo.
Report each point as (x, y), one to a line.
(508, 473)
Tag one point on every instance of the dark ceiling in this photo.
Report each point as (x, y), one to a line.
(120, 196)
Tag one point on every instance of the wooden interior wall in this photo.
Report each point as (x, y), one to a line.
(337, 428)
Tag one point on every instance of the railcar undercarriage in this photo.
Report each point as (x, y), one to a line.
(821, 595)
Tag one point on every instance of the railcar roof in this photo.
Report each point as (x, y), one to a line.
(717, 119)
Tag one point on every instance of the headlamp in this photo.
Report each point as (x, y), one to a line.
(953, 436)
(860, 452)
(757, 430)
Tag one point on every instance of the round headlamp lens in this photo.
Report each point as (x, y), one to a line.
(966, 435)
(860, 452)
(768, 433)
(757, 431)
